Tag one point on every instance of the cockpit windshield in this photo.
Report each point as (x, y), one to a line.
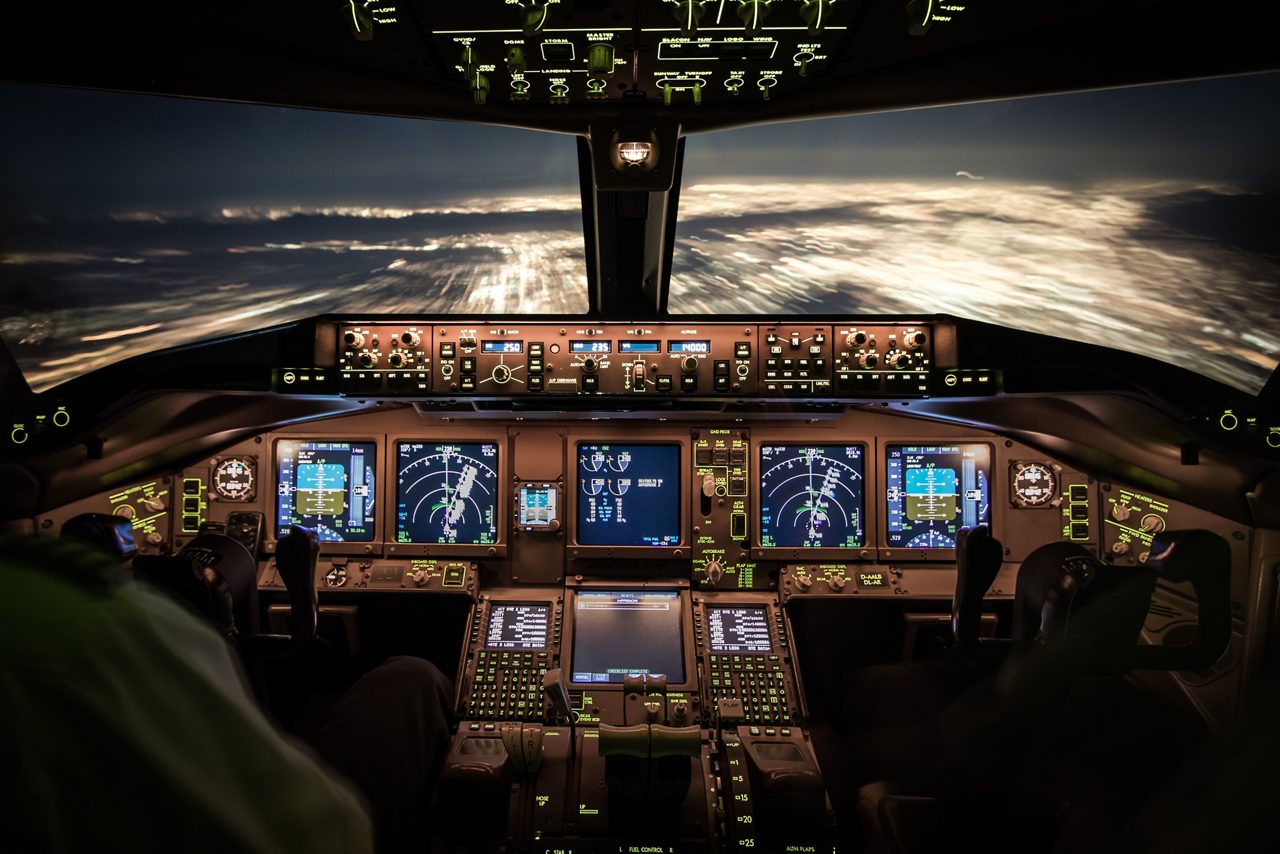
(132, 223)
(1140, 219)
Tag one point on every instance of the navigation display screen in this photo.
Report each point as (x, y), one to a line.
(932, 491)
(811, 496)
(518, 627)
(628, 495)
(623, 633)
(739, 630)
(327, 486)
(447, 493)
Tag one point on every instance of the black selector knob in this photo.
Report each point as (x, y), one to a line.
(367, 360)
(869, 360)
(915, 340)
(410, 339)
(396, 360)
(902, 360)
(589, 366)
(689, 365)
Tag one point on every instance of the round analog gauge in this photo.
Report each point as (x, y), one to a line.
(233, 479)
(1034, 484)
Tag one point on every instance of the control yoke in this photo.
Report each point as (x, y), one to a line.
(1204, 559)
(978, 559)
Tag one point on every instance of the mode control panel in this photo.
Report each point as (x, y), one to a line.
(640, 361)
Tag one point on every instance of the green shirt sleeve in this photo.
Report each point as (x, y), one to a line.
(129, 727)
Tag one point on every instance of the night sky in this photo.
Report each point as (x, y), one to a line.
(69, 152)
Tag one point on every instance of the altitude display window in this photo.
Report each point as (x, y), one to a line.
(932, 491)
(327, 486)
(447, 493)
(628, 495)
(811, 496)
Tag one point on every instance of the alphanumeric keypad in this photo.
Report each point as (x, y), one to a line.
(508, 685)
(759, 681)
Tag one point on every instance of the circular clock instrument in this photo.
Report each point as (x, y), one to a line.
(1034, 484)
(234, 479)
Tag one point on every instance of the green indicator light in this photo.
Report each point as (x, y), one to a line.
(1229, 421)
(61, 418)
(1273, 438)
(19, 434)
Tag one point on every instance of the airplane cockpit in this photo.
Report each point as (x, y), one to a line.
(780, 425)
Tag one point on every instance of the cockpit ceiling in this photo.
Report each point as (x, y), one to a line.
(562, 64)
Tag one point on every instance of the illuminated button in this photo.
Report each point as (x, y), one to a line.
(721, 383)
(447, 350)
(742, 350)
(775, 350)
(702, 456)
(722, 368)
(467, 383)
(689, 383)
(737, 456)
(535, 349)
(61, 418)
(1079, 492)
(1080, 512)
(468, 364)
(721, 458)
(771, 363)
(591, 382)
(19, 435)
(815, 351)
(771, 338)
(1079, 530)
(664, 382)
(737, 486)
(535, 366)
(191, 486)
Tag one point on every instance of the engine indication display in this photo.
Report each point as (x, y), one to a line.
(328, 486)
(628, 495)
(932, 491)
(811, 496)
(235, 479)
(447, 493)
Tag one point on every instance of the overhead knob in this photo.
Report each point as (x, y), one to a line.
(855, 339)
(752, 14)
(600, 60)
(533, 15)
(501, 374)
(914, 340)
(517, 62)
(814, 13)
(396, 360)
(901, 360)
(1120, 512)
(368, 360)
(688, 13)
(354, 338)
(715, 571)
(803, 582)
(868, 360)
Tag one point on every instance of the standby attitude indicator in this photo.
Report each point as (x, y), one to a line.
(447, 493)
(811, 496)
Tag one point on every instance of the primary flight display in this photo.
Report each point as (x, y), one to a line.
(931, 491)
(327, 486)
